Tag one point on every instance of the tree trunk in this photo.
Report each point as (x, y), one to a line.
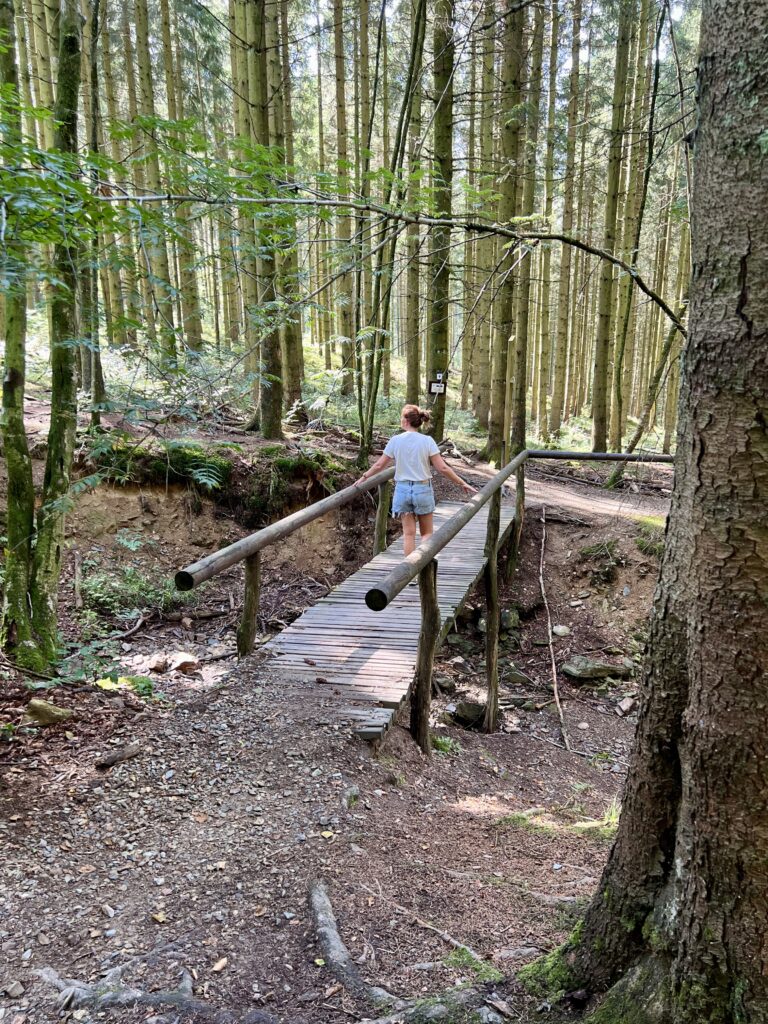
(512, 63)
(157, 253)
(16, 627)
(546, 262)
(413, 246)
(607, 270)
(677, 929)
(345, 328)
(564, 295)
(46, 564)
(440, 237)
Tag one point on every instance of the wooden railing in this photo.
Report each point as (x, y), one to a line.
(421, 563)
(249, 550)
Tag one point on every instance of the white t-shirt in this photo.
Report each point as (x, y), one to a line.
(412, 452)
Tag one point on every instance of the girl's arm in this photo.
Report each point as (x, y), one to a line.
(442, 467)
(383, 462)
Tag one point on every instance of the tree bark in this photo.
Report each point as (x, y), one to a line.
(16, 626)
(607, 270)
(677, 929)
(46, 563)
(440, 237)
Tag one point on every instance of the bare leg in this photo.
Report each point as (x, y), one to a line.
(409, 532)
(426, 529)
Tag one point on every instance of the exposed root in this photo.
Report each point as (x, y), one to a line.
(466, 1005)
(337, 955)
(112, 991)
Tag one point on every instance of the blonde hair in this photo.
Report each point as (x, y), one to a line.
(416, 417)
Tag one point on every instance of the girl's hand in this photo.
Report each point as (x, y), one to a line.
(468, 487)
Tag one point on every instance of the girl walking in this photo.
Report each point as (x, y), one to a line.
(414, 454)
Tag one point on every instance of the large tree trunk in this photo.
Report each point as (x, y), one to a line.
(679, 923)
(16, 629)
(46, 564)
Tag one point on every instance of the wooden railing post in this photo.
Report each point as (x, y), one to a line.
(421, 700)
(246, 631)
(492, 614)
(382, 518)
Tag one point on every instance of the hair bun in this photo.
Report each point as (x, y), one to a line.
(424, 416)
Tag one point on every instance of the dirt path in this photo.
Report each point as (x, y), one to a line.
(196, 854)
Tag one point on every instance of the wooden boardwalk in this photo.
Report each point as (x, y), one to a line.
(357, 665)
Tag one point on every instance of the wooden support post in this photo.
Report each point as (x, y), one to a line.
(421, 700)
(382, 518)
(492, 614)
(246, 631)
(517, 529)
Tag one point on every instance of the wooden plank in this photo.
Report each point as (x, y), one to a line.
(368, 657)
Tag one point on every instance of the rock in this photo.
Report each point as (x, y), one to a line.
(158, 662)
(460, 664)
(583, 726)
(183, 661)
(514, 677)
(482, 625)
(43, 713)
(510, 619)
(575, 604)
(469, 713)
(444, 684)
(350, 797)
(521, 953)
(626, 706)
(454, 640)
(580, 667)
(561, 631)
(14, 990)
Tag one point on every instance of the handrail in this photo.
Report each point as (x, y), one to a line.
(378, 597)
(205, 568)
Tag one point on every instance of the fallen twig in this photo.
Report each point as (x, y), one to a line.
(563, 730)
(119, 755)
(430, 927)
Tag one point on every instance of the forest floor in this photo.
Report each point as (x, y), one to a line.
(195, 854)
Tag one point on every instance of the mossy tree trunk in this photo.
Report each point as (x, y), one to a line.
(16, 628)
(46, 563)
(676, 932)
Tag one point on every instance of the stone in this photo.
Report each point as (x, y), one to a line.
(460, 664)
(575, 604)
(510, 619)
(561, 631)
(469, 713)
(43, 713)
(520, 953)
(183, 661)
(580, 667)
(157, 663)
(583, 726)
(626, 706)
(482, 625)
(14, 990)
(514, 677)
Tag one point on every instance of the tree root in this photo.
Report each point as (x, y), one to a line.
(112, 991)
(337, 955)
(465, 1006)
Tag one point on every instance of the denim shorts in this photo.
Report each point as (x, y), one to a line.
(413, 498)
